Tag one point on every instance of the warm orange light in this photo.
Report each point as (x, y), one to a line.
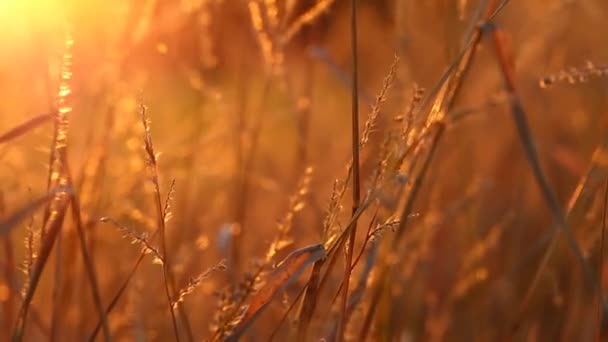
(25, 21)
(16, 14)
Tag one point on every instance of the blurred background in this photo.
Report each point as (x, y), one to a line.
(242, 98)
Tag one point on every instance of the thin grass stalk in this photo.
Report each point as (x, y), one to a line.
(47, 209)
(601, 265)
(316, 283)
(358, 292)
(89, 184)
(35, 316)
(168, 286)
(49, 182)
(47, 246)
(526, 138)
(25, 127)
(124, 285)
(180, 308)
(160, 218)
(343, 320)
(578, 205)
(581, 198)
(309, 301)
(315, 11)
(72, 291)
(8, 306)
(286, 314)
(88, 260)
(354, 263)
(371, 311)
(11, 222)
(360, 287)
(120, 292)
(58, 277)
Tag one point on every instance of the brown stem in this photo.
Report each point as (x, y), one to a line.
(9, 305)
(518, 113)
(45, 251)
(601, 264)
(88, 260)
(356, 172)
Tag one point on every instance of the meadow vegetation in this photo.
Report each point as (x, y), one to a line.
(390, 170)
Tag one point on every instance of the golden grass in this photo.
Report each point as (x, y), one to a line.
(157, 162)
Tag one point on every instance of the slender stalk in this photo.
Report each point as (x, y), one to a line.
(9, 305)
(25, 127)
(356, 261)
(409, 206)
(160, 218)
(309, 301)
(47, 246)
(88, 260)
(356, 172)
(168, 290)
(9, 267)
(120, 291)
(519, 116)
(601, 265)
(57, 285)
(367, 323)
(284, 317)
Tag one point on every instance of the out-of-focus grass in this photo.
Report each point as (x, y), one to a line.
(237, 135)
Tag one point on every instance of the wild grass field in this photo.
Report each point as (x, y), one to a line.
(303, 170)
